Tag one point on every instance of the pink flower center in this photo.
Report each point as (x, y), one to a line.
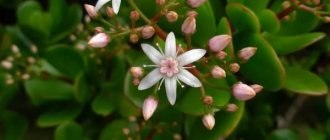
(169, 66)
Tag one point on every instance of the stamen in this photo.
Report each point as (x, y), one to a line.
(149, 65)
(182, 86)
(161, 82)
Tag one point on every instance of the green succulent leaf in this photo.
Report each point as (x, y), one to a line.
(304, 82)
(102, 105)
(256, 5)
(269, 21)
(82, 90)
(283, 134)
(69, 131)
(14, 126)
(58, 115)
(114, 130)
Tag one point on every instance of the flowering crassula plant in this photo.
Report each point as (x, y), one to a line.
(170, 67)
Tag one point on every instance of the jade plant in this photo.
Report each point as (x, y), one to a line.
(166, 69)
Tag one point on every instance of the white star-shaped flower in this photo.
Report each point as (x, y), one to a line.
(170, 67)
(115, 5)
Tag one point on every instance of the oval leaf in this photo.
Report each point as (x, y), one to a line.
(58, 115)
(102, 105)
(69, 131)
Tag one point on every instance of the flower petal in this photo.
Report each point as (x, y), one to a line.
(100, 3)
(152, 78)
(190, 56)
(170, 45)
(189, 79)
(116, 5)
(170, 86)
(153, 54)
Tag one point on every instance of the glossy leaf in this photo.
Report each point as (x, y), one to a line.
(239, 14)
(289, 44)
(269, 21)
(284, 134)
(114, 130)
(264, 67)
(14, 126)
(256, 5)
(82, 90)
(303, 81)
(58, 115)
(69, 131)
(26, 9)
(102, 105)
(41, 91)
(65, 59)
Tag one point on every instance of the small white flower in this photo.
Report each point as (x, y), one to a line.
(170, 67)
(115, 5)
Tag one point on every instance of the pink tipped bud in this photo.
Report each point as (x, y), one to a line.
(136, 72)
(208, 100)
(99, 29)
(148, 32)
(134, 15)
(6, 64)
(246, 53)
(172, 16)
(90, 9)
(218, 72)
(109, 11)
(243, 92)
(134, 38)
(221, 55)
(189, 25)
(160, 2)
(257, 88)
(149, 107)
(136, 81)
(195, 3)
(100, 40)
(219, 42)
(234, 67)
(231, 108)
(209, 121)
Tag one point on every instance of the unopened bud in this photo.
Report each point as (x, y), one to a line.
(136, 81)
(218, 72)
(6, 64)
(257, 88)
(99, 29)
(109, 11)
(231, 108)
(134, 38)
(160, 2)
(34, 49)
(246, 53)
(149, 106)
(172, 16)
(209, 121)
(135, 15)
(195, 3)
(326, 19)
(221, 55)
(208, 100)
(234, 67)
(25, 76)
(72, 37)
(100, 40)
(136, 72)
(90, 9)
(286, 4)
(87, 19)
(31, 60)
(242, 91)
(147, 32)
(14, 49)
(219, 42)
(189, 25)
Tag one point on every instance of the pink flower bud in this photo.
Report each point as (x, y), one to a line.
(136, 81)
(172, 16)
(242, 91)
(246, 53)
(6, 64)
(257, 88)
(109, 11)
(208, 100)
(209, 121)
(134, 38)
(99, 29)
(219, 42)
(100, 40)
(136, 72)
(218, 72)
(221, 55)
(234, 67)
(160, 2)
(149, 107)
(134, 15)
(189, 25)
(231, 108)
(195, 3)
(15, 49)
(148, 32)
(90, 9)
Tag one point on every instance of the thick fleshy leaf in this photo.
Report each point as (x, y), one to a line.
(58, 115)
(190, 56)
(284, 134)
(269, 21)
(102, 105)
(69, 131)
(170, 45)
(154, 55)
(114, 130)
(82, 91)
(100, 3)
(170, 86)
(151, 79)
(289, 44)
(256, 5)
(264, 67)
(188, 78)
(304, 82)
(14, 125)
